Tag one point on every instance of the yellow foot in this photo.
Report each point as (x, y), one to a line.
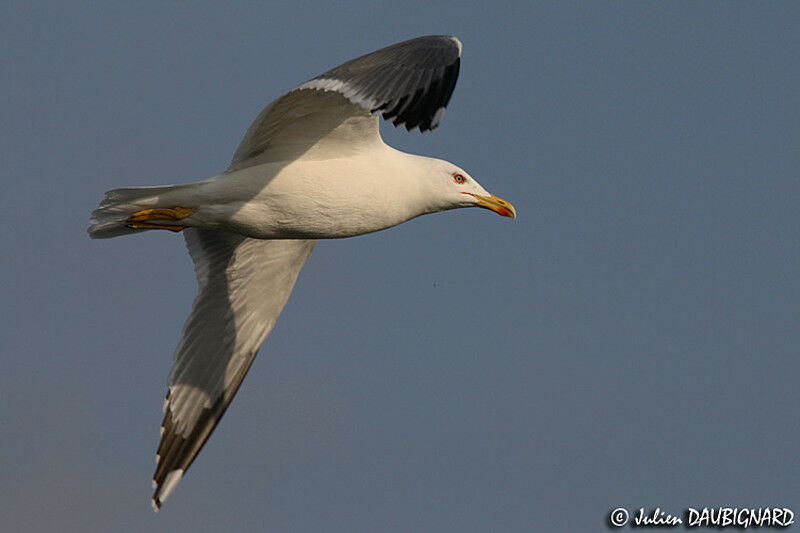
(139, 220)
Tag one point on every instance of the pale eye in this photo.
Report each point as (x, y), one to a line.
(459, 178)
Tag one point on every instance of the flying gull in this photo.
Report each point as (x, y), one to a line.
(312, 166)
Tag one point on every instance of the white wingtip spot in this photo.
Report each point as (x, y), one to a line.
(154, 505)
(170, 482)
(437, 117)
(458, 43)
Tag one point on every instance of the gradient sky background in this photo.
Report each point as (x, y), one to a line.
(630, 340)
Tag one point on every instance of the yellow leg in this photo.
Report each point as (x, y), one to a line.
(139, 220)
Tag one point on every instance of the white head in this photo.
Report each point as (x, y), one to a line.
(450, 187)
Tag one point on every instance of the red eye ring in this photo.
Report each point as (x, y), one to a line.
(459, 178)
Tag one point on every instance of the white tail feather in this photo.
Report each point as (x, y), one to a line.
(108, 220)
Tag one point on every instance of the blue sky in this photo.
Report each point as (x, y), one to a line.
(630, 340)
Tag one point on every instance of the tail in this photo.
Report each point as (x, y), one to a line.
(109, 219)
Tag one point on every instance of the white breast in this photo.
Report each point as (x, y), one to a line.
(318, 199)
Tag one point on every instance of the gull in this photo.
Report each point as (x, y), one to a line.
(311, 166)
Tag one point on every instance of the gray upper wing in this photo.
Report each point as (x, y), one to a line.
(408, 83)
